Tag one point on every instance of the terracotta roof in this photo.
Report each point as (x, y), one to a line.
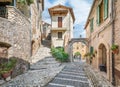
(61, 6)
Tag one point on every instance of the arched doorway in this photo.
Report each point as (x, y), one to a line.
(103, 58)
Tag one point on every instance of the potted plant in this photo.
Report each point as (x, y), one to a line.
(115, 49)
(7, 68)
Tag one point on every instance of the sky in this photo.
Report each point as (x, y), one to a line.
(81, 9)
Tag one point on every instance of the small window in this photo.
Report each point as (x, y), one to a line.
(59, 35)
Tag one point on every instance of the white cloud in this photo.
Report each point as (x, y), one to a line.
(81, 9)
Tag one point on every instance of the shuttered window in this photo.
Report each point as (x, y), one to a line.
(91, 25)
(59, 21)
(98, 15)
(91, 50)
(102, 11)
(105, 9)
(59, 35)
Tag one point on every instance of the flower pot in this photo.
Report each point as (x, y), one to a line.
(7, 74)
(116, 51)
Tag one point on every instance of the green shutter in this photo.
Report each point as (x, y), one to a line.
(91, 25)
(98, 15)
(105, 9)
(91, 50)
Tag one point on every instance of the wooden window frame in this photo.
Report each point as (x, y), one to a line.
(59, 35)
(59, 22)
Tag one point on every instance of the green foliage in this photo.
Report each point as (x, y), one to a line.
(59, 54)
(28, 2)
(77, 53)
(7, 66)
(114, 47)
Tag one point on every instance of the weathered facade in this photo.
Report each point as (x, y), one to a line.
(79, 47)
(62, 19)
(102, 30)
(15, 33)
(36, 24)
(117, 40)
(99, 32)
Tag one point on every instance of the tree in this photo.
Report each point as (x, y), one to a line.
(77, 53)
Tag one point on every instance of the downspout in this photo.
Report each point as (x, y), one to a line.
(113, 34)
(14, 3)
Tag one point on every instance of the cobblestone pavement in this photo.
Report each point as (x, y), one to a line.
(72, 75)
(40, 73)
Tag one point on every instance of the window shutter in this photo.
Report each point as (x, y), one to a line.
(98, 15)
(91, 50)
(59, 21)
(91, 25)
(105, 9)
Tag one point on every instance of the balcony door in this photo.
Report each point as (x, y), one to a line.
(59, 21)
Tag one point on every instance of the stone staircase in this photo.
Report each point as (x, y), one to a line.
(46, 43)
(41, 54)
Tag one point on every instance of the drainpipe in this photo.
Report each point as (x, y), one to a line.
(14, 3)
(113, 34)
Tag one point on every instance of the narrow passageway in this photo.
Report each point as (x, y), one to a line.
(72, 75)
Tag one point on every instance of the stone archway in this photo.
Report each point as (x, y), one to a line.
(102, 60)
(108, 63)
(83, 40)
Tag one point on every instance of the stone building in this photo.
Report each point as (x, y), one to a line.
(116, 34)
(46, 30)
(62, 19)
(79, 47)
(102, 30)
(99, 32)
(15, 31)
(17, 22)
(36, 24)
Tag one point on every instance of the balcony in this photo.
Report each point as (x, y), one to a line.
(59, 29)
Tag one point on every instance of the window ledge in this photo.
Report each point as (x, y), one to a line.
(59, 39)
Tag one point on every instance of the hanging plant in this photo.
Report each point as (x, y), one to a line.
(115, 49)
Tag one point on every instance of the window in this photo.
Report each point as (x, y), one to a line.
(91, 50)
(105, 9)
(102, 11)
(91, 25)
(59, 35)
(59, 21)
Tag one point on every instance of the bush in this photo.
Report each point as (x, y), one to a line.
(59, 54)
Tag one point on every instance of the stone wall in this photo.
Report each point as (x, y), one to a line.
(36, 23)
(117, 41)
(16, 31)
